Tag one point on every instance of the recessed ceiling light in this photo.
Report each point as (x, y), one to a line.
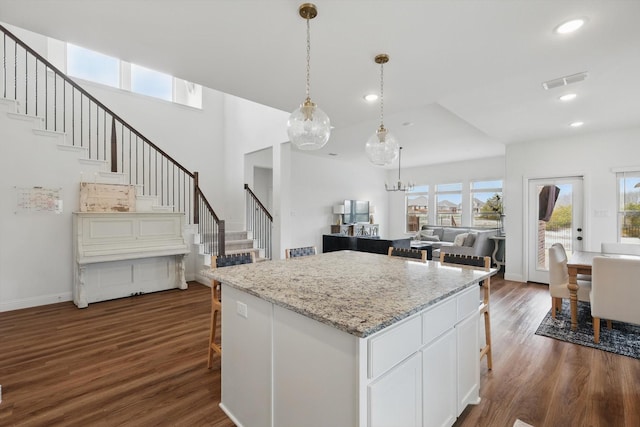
(568, 97)
(371, 97)
(576, 124)
(569, 26)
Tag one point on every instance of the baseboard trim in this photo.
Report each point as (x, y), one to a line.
(514, 277)
(202, 280)
(18, 304)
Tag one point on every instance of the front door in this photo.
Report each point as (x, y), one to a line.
(555, 216)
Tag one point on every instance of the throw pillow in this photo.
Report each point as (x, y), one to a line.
(470, 240)
(430, 238)
(459, 239)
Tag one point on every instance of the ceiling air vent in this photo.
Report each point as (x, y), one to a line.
(563, 81)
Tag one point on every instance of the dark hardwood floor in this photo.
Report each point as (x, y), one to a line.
(546, 382)
(141, 361)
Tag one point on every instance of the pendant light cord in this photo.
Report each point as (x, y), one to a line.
(308, 60)
(381, 95)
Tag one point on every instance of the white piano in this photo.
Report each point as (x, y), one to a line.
(127, 253)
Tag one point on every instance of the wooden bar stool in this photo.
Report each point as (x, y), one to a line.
(484, 263)
(298, 252)
(218, 261)
(408, 253)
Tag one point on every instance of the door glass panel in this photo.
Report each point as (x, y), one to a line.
(553, 220)
(559, 227)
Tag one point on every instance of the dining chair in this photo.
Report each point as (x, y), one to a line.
(298, 252)
(219, 261)
(615, 293)
(559, 279)
(620, 248)
(484, 263)
(408, 253)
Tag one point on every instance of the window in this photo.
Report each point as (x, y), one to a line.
(486, 203)
(449, 204)
(99, 68)
(628, 207)
(417, 208)
(151, 83)
(93, 66)
(187, 93)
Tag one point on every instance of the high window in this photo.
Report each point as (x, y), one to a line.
(628, 207)
(486, 203)
(449, 204)
(99, 68)
(417, 208)
(93, 66)
(151, 83)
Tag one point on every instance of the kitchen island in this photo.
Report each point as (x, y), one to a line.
(349, 339)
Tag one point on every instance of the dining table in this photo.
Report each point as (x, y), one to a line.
(580, 262)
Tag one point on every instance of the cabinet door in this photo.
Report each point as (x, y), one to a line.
(468, 362)
(395, 399)
(439, 386)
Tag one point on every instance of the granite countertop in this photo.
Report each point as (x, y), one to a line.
(357, 292)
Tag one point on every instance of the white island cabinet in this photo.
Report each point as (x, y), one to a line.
(385, 343)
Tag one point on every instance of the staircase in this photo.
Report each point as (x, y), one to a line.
(88, 170)
(62, 116)
(111, 151)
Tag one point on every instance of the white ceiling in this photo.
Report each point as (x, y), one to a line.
(466, 73)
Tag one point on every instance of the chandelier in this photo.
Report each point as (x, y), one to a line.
(382, 147)
(399, 186)
(308, 127)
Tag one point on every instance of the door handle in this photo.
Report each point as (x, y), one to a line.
(579, 237)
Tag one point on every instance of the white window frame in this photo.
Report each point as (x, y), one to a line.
(622, 201)
(459, 213)
(415, 193)
(473, 191)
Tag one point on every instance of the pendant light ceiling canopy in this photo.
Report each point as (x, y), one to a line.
(382, 147)
(308, 127)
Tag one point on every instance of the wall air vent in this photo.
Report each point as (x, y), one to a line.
(563, 81)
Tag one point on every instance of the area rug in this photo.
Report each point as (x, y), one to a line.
(520, 423)
(623, 339)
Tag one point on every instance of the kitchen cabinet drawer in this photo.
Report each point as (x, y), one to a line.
(393, 346)
(437, 320)
(468, 302)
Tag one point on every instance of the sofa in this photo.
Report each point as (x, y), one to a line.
(457, 240)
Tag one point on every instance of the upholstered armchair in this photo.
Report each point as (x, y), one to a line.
(559, 279)
(615, 292)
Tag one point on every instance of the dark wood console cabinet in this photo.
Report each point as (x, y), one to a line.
(376, 245)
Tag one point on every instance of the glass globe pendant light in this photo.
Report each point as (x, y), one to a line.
(382, 147)
(308, 127)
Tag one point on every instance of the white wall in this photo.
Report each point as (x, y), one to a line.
(491, 168)
(248, 127)
(258, 174)
(590, 155)
(316, 185)
(35, 247)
